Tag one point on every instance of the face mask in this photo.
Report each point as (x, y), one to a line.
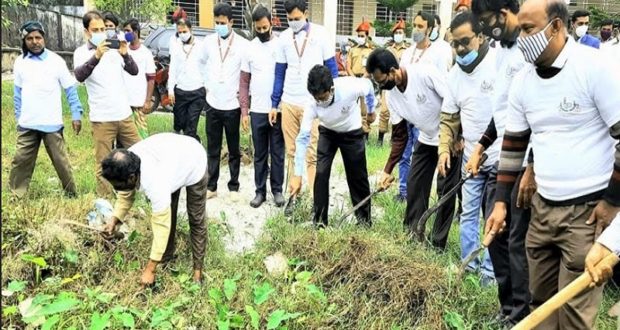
(297, 25)
(326, 103)
(184, 36)
(97, 38)
(605, 35)
(468, 59)
(361, 40)
(418, 36)
(398, 38)
(388, 85)
(534, 45)
(222, 30)
(581, 31)
(434, 34)
(264, 36)
(111, 33)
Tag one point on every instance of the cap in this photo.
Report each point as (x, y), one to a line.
(466, 3)
(399, 25)
(31, 26)
(363, 27)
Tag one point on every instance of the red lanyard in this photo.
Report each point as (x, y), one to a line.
(303, 47)
(219, 47)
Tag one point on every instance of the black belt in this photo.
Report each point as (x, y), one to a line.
(359, 75)
(577, 200)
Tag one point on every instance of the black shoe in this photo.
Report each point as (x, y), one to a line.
(278, 198)
(380, 139)
(257, 201)
(290, 207)
(400, 198)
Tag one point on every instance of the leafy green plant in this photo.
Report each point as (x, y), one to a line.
(454, 320)
(43, 309)
(279, 316)
(39, 264)
(262, 292)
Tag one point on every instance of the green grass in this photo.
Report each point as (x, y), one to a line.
(342, 278)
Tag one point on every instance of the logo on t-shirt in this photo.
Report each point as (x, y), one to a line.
(486, 86)
(569, 107)
(511, 71)
(345, 109)
(420, 98)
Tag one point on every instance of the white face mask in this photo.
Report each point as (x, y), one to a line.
(361, 40)
(184, 36)
(326, 103)
(418, 36)
(434, 34)
(398, 38)
(581, 31)
(297, 25)
(97, 38)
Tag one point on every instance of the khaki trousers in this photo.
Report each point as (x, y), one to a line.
(292, 116)
(364, 108)
(557, 242)
(384, 115)
(28, 142)
(104, 134)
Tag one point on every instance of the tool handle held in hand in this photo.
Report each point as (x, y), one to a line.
(488, 239)
(483, 159)
(575, 287)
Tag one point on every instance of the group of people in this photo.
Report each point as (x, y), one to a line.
(527, 112)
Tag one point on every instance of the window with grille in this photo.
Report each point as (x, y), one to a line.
(190, 7)
(430, 8)
(344, 25)
(386, 15)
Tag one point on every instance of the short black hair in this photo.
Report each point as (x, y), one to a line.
(134, 24)
(109, 16)
(319, 79)
(607, 21)
(290, 5)
(261, 12)
(223, 9)
(381, 59)
(119, 165)
(428, 18)
(558, 9)
(464, 18)
(479, 7)
(89, 16)
(437, 19)
(184, 21)
(579, 13)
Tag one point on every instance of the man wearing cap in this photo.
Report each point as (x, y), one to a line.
(101, 69)
(356, 64)
(39, 76)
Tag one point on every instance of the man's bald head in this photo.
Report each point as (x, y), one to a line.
(550, 17)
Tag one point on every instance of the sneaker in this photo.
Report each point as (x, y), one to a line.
(399, 198)
(487, 281)
(290, 207)
(211, 194)
(235, 196)
(278, 198)
(257, 201)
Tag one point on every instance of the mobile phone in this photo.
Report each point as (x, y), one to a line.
(113, 43)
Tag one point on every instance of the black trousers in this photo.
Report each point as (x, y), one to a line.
(186, 111)
(508, 256)
(268, 144)
(219, 122)
(423, 164)
(353, 151)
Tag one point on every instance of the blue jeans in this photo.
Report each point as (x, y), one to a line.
(405, 160)
(473, 194)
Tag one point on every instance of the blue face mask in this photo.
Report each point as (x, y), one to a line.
(467, 59)
(97, 38)
(222, 30)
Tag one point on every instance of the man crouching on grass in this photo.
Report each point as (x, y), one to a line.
(160, 166)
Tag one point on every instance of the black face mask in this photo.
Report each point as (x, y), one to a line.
(389, 84)
(264, 36)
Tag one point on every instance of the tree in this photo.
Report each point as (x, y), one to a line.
(145, 10)
(6, 4)
(597, 16)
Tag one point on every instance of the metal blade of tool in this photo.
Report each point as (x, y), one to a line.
(485, 243)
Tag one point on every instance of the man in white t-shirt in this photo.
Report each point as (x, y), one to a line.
(566, 101)
(424, 50)
(468, 104)
(101, 70)
(302, 46)
(40, 74)
(224, 51)
(140, 86)
(256, 82)
(338, 111)
(160, 166)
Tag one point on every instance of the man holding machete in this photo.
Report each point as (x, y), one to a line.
(567, 102)
(417, 99)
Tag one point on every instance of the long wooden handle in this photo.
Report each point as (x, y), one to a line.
(488, 239)
(571, 290)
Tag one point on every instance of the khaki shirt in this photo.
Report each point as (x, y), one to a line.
(358, 56)
(398, 49)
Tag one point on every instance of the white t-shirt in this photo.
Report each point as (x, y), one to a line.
(317, 50)
(107, 96)
(420, 104)
(612, 47)
(41, 81)
(509, 62)
(439, 54)
(224, 69)
(610, 237)
(168, 162)
(472, 94)
(187, 67)
(136, 85)
(569, 115)
(260, 62)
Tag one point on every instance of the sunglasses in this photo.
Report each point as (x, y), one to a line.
(463, 42)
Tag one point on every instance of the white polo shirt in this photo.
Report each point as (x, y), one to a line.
(420, 103)
(317, 50)
(136, 85)
(472, 94)
(569, 115)
(168, 162)
(41, 80)
(108, 99)
(224, 69)
(439, 54)
(260, 61)
(187, 67)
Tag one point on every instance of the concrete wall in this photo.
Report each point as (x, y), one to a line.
(9, 54)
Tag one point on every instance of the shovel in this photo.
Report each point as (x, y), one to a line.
(485, 244)
(575, 287)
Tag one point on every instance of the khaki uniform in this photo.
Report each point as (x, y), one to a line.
(358, 56)
(384, 112)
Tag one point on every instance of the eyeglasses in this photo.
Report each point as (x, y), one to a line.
(463, 42)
